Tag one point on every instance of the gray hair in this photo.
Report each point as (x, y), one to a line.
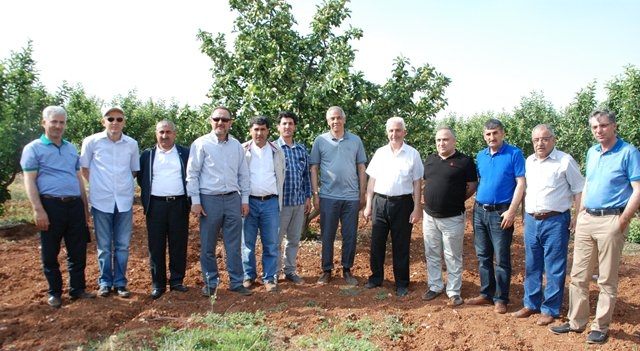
(393, 120)
(51, 111)
(604, 113)
(445, 127)
(336, 108)
(167, 123)
(543, 126)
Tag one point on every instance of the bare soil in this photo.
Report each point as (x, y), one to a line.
(28, 323)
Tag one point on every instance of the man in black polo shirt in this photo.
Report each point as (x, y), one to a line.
(450, 178)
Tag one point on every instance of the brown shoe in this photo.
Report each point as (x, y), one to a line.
(479, 301)
(500, 308)
(545, 319)
(271, 287)
(523, 313)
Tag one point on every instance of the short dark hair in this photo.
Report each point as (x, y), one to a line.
(287, 114)
(222, 108)
(604, 113)
(260, 120)
(493, 124)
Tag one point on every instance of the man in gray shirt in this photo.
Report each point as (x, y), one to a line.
(218, 184)
(341, 159)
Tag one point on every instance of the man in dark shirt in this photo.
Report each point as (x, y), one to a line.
(450, 179)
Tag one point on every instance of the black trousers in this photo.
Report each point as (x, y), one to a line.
(168, 222)
(391, 216)
(66, 221)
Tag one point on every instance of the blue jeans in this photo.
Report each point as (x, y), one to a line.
(223, 211)
(546, 243)
(331, 212)
(490, 240)
(113, 232)
(264, 215)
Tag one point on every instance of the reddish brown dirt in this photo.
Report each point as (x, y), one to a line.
(28, 323)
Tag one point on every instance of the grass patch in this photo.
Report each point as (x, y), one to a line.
(18, 209)
(349, 291)
(381, 295)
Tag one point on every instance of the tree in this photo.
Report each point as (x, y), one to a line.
(22, 99)
(624, 100)
(572, 131)
(533, 110)
(272, 67)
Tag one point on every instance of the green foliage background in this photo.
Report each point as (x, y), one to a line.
(270, 67)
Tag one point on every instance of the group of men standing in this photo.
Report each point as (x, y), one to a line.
(265, 188)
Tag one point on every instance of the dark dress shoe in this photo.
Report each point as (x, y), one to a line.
(479, 301)
(524, 313)
(371, 285)
(179, 287)
(156, 293)
(545, 319)
(430, 295)
(564, 328)
(596, 337)
(54, 301)
(82, 295)
(401, 292)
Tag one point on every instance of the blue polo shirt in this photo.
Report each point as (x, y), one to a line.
(609, 175)
(497, 174)
(56, 166)
(338, 160)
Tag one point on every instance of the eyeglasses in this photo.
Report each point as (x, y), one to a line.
(543, 139)
(119, 119)
(218, 119)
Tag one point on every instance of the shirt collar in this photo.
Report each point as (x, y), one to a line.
(615, 147)
(46, 141)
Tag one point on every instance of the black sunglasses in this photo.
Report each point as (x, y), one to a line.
(217, 119)
(119, 119)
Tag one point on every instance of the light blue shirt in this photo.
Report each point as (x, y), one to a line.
(609, 175)
(216, 168)
(338, 160)
(110, 167)
(57, 166)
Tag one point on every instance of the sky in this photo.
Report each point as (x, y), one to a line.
(495, 52)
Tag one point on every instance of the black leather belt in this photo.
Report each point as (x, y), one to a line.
(62, 198)
(604, 211)
(395, 198)
(544, 215)
(226, 194)
(496, 207)
(168, 198)
(263, 198)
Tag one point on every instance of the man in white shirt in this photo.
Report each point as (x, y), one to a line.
(162, 180)
(553, 184)
(266, 169)
(109, 161)
(393, 203)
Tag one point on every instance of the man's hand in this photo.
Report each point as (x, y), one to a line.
(244, 210)
(198, 211)
(41, 219)
(508, 218)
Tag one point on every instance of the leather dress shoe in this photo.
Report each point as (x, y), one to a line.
(402, 291)
(209, 291)
(156, 293)
(179, 287)
(524, 313)
(325, 278)
(500, 307)
(479, 301)
(596, 337)
(545, 319)
(349, 278)
(564, 328)
(82, 295)
(371, 285)
(54, 301)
